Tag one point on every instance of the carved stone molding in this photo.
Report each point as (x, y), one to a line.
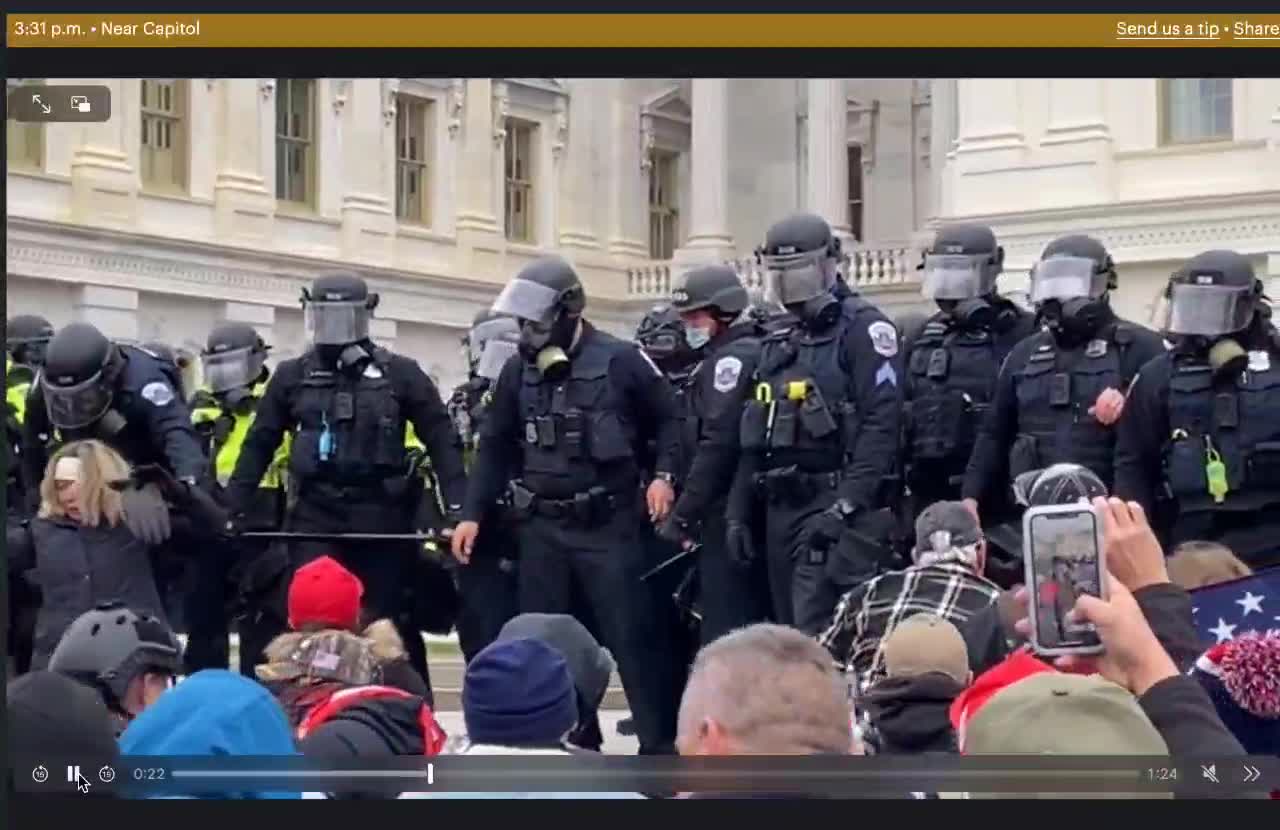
(863, 120)
(341, 93)
(267, 86)
(457, 101)
(390, 89)
(648, 141)
(560, 133)
(501, 110)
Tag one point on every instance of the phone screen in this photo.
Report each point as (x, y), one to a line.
(1064, 563)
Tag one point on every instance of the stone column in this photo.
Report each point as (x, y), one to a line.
(942, 141)
(626, 186)
(827, 186)
(709, 237)
(244, 198)
(104, 180)
(989, 119)
(202, 135)
(368, 221)
(573, 150)
(114, 311)
(1078, 136)
(476, 186)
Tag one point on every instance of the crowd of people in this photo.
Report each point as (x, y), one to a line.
(828, 500)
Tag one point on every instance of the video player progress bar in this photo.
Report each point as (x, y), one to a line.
(471, 774)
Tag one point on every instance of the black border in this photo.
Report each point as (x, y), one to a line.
(1153, 7)
(1141, 62)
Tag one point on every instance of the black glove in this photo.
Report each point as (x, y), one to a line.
(674, 530)
(205, 508)
(146, 514)
(738, 542)
(235, 523)
(825, 529)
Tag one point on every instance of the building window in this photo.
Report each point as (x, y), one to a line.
(664, 198)
(25, 139)
(1195, 110)
(518, 164)
(162, 160)
(411, 159)
(295, 140)
(855, 191)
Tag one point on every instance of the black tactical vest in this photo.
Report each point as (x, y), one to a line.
(953, 373)
(1055, 389)
(350, 429)
(803, 411)
(577, 432)
(1234, 422)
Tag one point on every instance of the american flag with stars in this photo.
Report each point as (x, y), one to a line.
(1229, 609)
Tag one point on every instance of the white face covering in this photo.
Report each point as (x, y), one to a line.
(67, 469)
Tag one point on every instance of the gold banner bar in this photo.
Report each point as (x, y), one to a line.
(622, 31)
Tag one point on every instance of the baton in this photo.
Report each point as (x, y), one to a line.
(662, 566)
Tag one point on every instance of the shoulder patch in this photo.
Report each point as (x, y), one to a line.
(158, 392)
(884, 338)
(726, 374)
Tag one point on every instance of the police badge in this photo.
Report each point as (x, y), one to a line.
(1096, 348)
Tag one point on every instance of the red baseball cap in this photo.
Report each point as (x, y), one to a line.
(323, 592)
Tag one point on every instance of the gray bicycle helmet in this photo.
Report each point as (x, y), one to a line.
(1058, 484)
(111, 645)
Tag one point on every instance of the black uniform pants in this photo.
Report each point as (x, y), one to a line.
(730, 595)
(206, 594)
(487, 588)
(605, 563)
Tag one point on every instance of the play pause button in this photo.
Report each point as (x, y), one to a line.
(73, 773)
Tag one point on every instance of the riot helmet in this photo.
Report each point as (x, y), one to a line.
(77, 381)
(1063, 483)
(661, 335)
(1070, 285)
(338, 308)
(234, 358)
(110, 646)
(1215, 294)
(491, 342)
(714, 291)
(801, 257)
(547, 299)
(960, 270)
(27, 337)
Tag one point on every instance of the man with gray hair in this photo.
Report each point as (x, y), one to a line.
(946, 580)
(764, 690)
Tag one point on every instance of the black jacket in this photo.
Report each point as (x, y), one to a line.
(909, 714)
(372, 728)
(76, 568)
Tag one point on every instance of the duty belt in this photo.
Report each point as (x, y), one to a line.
(587, 507)
(793, 484)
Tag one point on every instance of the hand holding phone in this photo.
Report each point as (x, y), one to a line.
(1063, 556)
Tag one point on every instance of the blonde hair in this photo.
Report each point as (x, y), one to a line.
(1198, 564)
(99, 466)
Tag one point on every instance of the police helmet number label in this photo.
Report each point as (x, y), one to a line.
(158, 393)
(727, 372)
(680, 295)
(884, 338)
(1259, 361)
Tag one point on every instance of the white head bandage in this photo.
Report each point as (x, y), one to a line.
(67, 469)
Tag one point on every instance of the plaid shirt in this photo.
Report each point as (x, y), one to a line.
(866, 615)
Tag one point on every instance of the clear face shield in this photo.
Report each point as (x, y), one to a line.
(78, 406)
(336, 323)
(1207, 310)
(233, 369)
(491, 344)
(955, 277)
(797, 278)
(527, 301)
(1066, 278)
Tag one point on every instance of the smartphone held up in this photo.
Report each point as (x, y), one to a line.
(1063, 556)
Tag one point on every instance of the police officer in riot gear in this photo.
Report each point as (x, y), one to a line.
(235, 374)
(1199, 443)
(952, 361)
(26, 337)
(347, 402)
(487, 583)
(126, 397)
(712, 302)
(820, 434)
(1061, 390)
(566, 426)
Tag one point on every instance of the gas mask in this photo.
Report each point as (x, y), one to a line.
(238, 400)
(817, 313)
(1076, 319)
(111, 424)
(1227, 357)
(546, 346)
(973, 314)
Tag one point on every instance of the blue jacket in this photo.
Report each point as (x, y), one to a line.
(213, 712)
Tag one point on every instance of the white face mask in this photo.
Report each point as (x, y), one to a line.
(696, 337)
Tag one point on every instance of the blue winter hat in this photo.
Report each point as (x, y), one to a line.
(518, 693)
